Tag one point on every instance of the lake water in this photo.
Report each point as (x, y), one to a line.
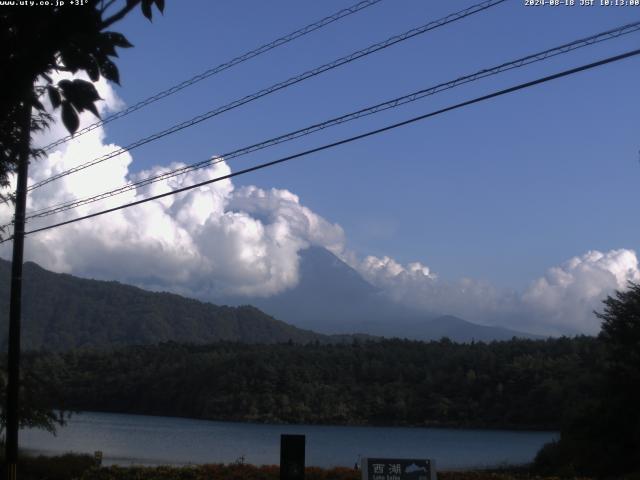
(138, 439)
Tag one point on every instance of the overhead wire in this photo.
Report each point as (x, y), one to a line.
(279, 86)
(370, 133)
(345, 12)
(393, 103)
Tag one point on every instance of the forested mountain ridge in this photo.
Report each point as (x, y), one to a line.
(63, 312)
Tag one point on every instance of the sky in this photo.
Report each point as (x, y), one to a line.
(520, 210)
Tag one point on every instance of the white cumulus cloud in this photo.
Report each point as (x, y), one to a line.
(207, 242)
(416, 285)
(566, 296)
(220, 240)
(560, 302)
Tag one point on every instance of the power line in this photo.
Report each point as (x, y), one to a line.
(389, 104)
(220, 68)
(279, 86)
(261, 166)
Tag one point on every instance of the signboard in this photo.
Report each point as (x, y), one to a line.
(398, 469)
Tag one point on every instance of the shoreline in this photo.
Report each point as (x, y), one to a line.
(83, 467)
(154, 440)
(433, 425)
(149, 463)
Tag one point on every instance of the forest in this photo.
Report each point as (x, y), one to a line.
(523, 384)
(585, 387)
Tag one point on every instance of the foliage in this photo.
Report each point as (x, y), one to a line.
(515, 384)
(249, 472)
(62, 467)
(83, 467)
(37, 390)
(602, 437)
(34, 42)
(621, 336)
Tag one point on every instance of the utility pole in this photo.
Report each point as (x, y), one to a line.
(13, 384)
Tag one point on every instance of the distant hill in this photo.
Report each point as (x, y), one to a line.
(460, 330)
(331, 297)
(62, 311)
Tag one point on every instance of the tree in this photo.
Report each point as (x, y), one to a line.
(36, 40)
(621, 338)
(621, 335)
(602, 437)
(39, 389)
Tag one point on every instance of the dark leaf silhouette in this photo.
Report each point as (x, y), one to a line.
(74, 58)
(37, 104)
(54, 96)
(36, 43)
(64, 85)
(92, 70)
(146, 8)
(110, 71)
(81, 94)
(70, 117)
(116, 39)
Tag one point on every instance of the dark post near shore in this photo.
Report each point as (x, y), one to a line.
(15, 305)
(292, 450)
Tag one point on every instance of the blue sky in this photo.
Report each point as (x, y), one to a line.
(497, 191)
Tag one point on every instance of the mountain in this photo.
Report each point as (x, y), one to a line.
(460, 330)
(62, 311)
(331, 297)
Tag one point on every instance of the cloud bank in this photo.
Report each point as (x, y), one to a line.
(560, 302)
(221, 240)
(207, 242)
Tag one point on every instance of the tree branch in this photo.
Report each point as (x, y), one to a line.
(104, 7)
(118, 16)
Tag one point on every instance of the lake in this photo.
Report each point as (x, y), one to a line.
(146, 440)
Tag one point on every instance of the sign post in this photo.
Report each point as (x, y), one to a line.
(398, 469)
(292, 450)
